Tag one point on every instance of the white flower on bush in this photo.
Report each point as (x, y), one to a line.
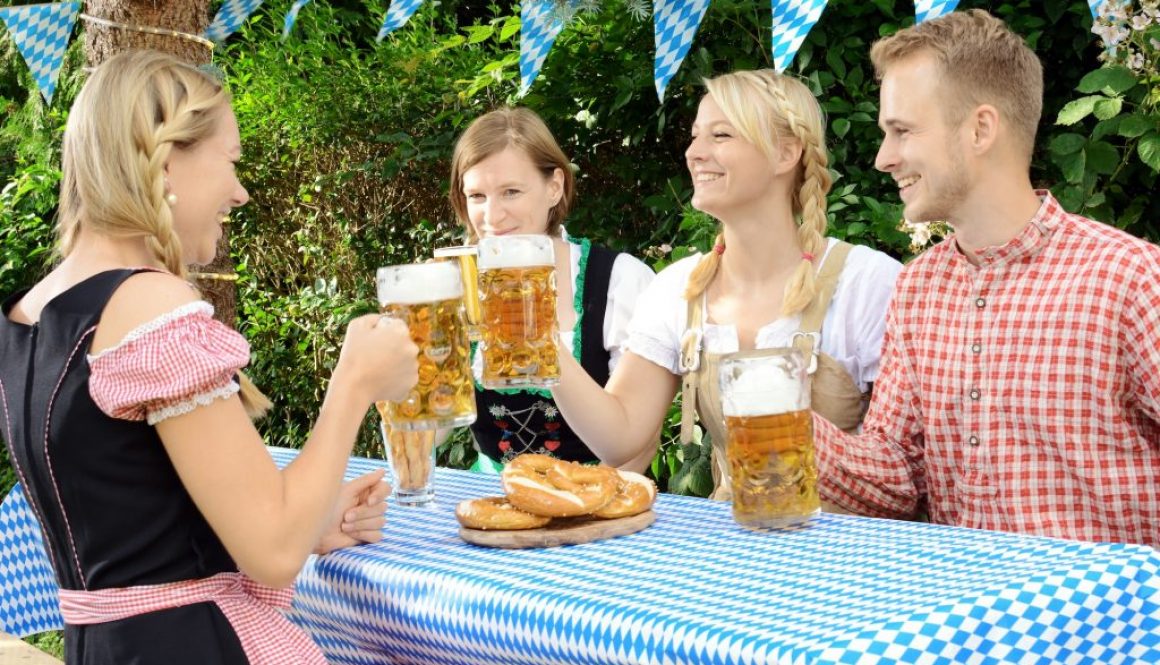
(921, 233)
(1117, 23)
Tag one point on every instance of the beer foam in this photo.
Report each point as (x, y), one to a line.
(515, 251)
(758, 392)
(418, 283)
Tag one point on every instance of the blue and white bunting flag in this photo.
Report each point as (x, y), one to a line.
(230, 17)
(792, 21)
(397, 16)
(924, 9)
(41, 33)
(675, 23)
(539, 25)
(292, 16)
(1095, 6)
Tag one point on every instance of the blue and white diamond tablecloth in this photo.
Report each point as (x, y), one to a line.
(695, 588)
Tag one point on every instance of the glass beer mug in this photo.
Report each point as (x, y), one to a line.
(464, 256)
(765, 397)
(428, 297)
(517, 297)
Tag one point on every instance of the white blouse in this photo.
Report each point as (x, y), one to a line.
(629, 279)
(851, 331)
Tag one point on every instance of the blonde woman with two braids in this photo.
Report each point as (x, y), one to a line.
(124, 411)
(758, 163)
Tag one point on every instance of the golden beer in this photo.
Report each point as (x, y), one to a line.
(517, 295)
(765, 399)
(771, 464)
(428, 298)
(464, 256)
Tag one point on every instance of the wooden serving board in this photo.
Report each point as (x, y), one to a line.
(561, 531)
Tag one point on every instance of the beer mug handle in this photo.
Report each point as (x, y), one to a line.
(811, 345)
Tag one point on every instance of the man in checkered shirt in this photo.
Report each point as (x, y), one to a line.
(1020, 381)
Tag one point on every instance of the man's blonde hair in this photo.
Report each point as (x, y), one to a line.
(767, 108)
(498, 130)
(981, 61)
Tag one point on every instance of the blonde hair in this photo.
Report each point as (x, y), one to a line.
(494, 132)
(767, 108)
(124, 124)
(981, 61)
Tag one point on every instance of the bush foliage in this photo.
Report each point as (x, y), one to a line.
(347, 144)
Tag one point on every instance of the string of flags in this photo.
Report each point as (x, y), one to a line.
(42, 31)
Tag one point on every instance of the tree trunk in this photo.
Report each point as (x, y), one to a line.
(188, 16)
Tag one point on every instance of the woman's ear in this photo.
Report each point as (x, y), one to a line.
(789, 155)
(556, 186)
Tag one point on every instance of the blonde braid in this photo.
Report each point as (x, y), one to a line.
(809, 202)
(705, 270)
(163, 242)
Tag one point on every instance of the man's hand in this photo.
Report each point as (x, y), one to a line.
(359, 515)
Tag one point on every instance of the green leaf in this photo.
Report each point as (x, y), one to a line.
(1111, 80)
(1102, 158)
(1106, 127)
(510, 27)
(1135, 125)
(1072, 166)
(840, 127)
(1096, 199)
(1067, 144)
(479, 33)
(1108, 108)
(855, 229)
(1077, 110)
(1149, 150)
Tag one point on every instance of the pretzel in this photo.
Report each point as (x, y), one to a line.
(634, 495)
(543, 485)
(495, 512)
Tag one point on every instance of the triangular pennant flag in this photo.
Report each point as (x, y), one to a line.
(41, 33)
(539, 25)
(230, 17)
(675, 22)
(924, 9)
(292, 16)
(1095, 6)
(792, 21)
(397, 16)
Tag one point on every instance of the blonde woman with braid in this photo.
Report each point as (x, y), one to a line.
(758, 163)
(166, 521)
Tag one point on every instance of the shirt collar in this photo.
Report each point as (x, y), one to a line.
(1034, 236)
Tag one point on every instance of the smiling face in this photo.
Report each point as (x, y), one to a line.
(730, 174)
(203, 179)
(921, 150)
(506, 194)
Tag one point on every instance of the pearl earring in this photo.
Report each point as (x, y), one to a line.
(171, 199)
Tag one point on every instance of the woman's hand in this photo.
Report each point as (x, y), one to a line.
(378, 359)
(359, 515)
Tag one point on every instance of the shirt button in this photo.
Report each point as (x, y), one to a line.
(976, 348)
(975, 394)
(980, 303)
(974, 441)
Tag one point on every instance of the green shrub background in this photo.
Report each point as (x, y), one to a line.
(347, 142)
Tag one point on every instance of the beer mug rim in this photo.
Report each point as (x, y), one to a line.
(455, 251)
(539, 243)
(425, 278)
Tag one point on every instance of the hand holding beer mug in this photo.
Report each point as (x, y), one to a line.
(766, 401)
(517, 296)
(464, 257)
(428, 298)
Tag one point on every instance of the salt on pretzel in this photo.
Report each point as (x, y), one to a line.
(495, 512)
(544, 485)
(634, 495)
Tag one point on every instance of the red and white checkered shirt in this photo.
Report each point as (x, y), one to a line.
(1020, 395)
